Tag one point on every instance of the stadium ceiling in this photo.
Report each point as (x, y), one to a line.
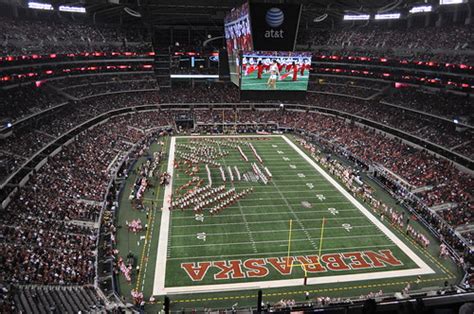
(212, 12)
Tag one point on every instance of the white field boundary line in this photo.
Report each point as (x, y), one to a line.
(351, 249)
(160, 267)
(159, 289)
(292, 282)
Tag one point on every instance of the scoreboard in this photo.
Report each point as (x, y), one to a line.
(260, 42)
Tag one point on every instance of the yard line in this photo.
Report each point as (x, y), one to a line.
(295, 191)
(249, 232)
(283, 205)
(310, 191)
(265, 207)
(300, 180)
(266, 222)
(298, 221)
(276, 241)
(298, 198)
(271, 213)
(283, 252)
(269, 187)
(193, 235)
(267, 159)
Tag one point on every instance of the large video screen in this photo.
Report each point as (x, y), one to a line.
(275, 70)
(238, 38)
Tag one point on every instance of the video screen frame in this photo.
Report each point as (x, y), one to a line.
(238, 36)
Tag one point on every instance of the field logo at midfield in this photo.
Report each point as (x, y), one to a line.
(262, 267)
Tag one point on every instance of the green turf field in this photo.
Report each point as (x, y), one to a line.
(215, 260)
(250, 242)
(250, 82)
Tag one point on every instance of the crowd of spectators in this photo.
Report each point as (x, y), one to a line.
(375, 85)
(27, 140)
(25, 143)
(195, 70)
(70, 187)
(72, 81)
(444, 105)
(346, 89)
(22, 101)
(39, 36)
(9, 162)
(438, 131)
(389, 56)
(453, 37)
(218, 93)
(81, 91)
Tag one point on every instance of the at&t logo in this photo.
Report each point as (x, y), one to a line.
(274, 19)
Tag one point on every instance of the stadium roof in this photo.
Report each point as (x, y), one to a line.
(212, 12)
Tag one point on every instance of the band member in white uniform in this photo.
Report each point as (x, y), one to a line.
(274, 75)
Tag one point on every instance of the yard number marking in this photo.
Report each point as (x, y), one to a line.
(301, 175)
(274, 146)
(292, 166)
(320, 197)
(199, 217)
(201, 236)
(286, 159)
(280, 152)
(348, 227)
(310, 185)
(334, 211)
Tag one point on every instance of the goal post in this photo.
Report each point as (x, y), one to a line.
(303, 265)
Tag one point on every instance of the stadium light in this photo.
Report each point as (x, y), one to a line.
(448, 2)
(67, 8)
(357, 17)
(421, 9)
(387, 16)
(40, 6)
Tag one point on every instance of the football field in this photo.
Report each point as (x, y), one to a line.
(296, 222)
